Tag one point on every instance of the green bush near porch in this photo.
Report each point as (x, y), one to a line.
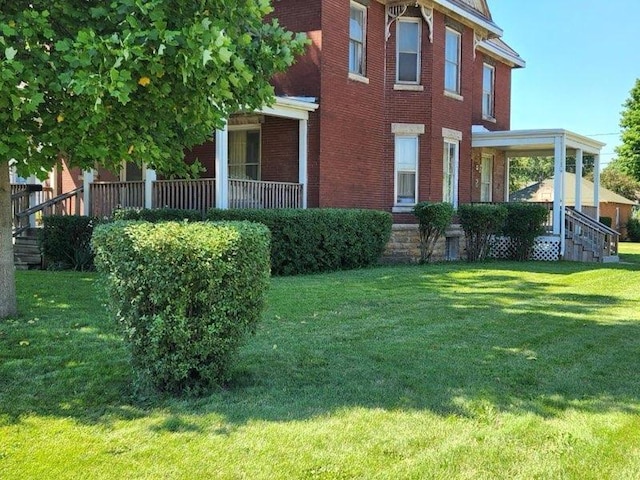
(65, 241)
(318, 239)
(155, 215)
(184, 294)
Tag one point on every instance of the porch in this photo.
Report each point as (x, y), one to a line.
(575, 229)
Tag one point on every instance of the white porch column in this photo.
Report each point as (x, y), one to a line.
(507, 164)
(596, 185)
(560, 163)
(303, 148)
(222, 167)
(579, 180)
(87, 180)
(150, 176)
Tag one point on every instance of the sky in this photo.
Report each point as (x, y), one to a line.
(583, 58)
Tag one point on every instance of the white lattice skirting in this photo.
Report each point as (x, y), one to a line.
(545, 248)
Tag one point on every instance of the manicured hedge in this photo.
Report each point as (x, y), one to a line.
(524, 223)
(156, 215)
(433, 220)
(65, 241)
(318, 240)
(480, 223)
(185, 295)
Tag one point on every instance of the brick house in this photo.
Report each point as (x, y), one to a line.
(394, 102)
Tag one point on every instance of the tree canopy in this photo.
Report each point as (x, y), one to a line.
(629, 151)
(99, 83)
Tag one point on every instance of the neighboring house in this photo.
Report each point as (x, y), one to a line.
(612, 205)
(395, 102)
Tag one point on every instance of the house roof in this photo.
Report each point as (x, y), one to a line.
(496, 47)
(543, 192)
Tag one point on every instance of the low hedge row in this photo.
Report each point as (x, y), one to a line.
(185, 295)
(318, 239)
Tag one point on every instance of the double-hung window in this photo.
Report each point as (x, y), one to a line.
(406, 166)
(408, 51)
(488, 90)
(244, 153)
(357, 38)
(486, 177)
(450, 174)
(452, 61)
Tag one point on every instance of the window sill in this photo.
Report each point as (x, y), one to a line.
(488, 119)
(402, 209)
(358, 78)
(453, 95)
(408, 87)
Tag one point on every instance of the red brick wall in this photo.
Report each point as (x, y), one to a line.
(206, 155)
(279, 150)
(352, 172)
(502, 96)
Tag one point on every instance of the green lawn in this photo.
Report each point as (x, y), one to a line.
(449, 371)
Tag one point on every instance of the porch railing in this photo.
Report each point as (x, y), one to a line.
(597, 237)
(108, 196)
(258, 194)
(65, 204)
(185, 194)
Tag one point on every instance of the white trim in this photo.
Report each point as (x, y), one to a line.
(486, 24)
(418, 64)
(449, 133)
(455, 96)
(303, 147)
(408, 128)
(501, 55)
(285, 107)
(222, 168)
(358, 78)
(408, 87)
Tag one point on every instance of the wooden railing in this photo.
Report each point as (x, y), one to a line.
(597, 236)
(65, 204)
(185, 194)
(258, 194)
(108, 196)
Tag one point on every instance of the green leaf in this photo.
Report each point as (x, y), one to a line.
(225, 54)
(10, 53)
(206, 57)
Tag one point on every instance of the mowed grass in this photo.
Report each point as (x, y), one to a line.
(499, 370)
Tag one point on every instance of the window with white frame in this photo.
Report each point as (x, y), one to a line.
(452, 61)
(406, 167)
(450, 175)
(357, 38)
(244, 153)
(488, 90)
(486, 178)
(408, 50)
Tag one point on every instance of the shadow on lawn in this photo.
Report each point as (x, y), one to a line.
(451, 340)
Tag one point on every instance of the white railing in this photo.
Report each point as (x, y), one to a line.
(258, 194)
(185, 194)
(108, 196)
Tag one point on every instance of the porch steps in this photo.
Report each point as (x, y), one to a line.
(26, 251)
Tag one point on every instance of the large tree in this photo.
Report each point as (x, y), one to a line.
(139, 80)
(629, 151)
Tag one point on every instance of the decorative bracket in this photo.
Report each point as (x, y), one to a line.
(477, 39)
(394, 12)
(427, 14)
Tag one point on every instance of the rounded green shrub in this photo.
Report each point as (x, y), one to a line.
(480, 222)
(633, 227)
(433, 220)
(185, 295)
(524, 223)
(65, 241)
(318, 239)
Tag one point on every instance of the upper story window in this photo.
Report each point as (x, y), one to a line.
(452, 61)
(408, 51)
(357, 38)
(488, 90)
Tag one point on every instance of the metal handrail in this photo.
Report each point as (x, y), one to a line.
(591, 222)
(38, 208)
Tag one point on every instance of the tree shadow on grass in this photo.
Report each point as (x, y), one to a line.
(452, 340)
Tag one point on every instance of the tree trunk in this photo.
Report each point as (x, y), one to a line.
(8, 303)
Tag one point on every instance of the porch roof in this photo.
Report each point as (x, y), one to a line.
(297, 108)
(533, 142)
